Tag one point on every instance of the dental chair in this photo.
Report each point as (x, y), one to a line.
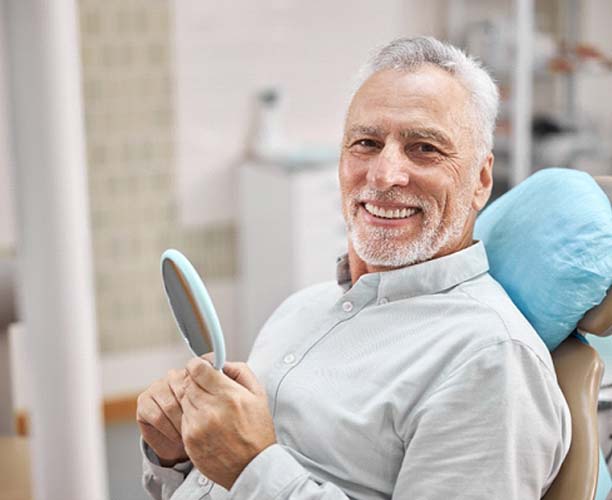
(579, 371)
(549, 244)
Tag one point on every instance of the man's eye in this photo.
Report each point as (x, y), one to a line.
(365, 144)
(424, 147)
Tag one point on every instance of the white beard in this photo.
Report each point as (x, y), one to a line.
(380, 246)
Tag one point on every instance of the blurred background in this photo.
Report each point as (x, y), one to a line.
(214, 128)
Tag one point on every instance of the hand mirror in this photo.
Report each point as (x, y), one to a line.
(192, 307)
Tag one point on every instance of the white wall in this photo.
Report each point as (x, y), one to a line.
(226, 51)
(594, 87)
(7, 228)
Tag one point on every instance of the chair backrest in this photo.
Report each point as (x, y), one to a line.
(598, 321)
(579, 371)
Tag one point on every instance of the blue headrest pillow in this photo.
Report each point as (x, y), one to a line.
(549, 244)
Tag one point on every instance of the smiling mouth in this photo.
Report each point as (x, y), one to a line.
(390, 213)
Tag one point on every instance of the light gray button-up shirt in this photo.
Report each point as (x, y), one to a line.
(424, 382)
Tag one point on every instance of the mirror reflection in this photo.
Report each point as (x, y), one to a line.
(185, 310)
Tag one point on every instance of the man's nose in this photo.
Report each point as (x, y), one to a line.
(388, 169)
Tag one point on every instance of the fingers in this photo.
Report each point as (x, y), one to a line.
(191, 413)
(149, 412)
(177, 380)
(189, 408)
(195, 397)
(164, 395)
(210, 357)
(243, 375)
(207, 378)
(212, 381)
(160, 404)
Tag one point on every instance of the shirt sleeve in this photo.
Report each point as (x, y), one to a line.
(498, 427)
(275, 475)
(161, 482)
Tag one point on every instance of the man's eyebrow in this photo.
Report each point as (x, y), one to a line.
(427, 134)
(365, 130)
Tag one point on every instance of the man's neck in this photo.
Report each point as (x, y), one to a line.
(358, 267)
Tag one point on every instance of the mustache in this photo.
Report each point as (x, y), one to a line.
(392, 194)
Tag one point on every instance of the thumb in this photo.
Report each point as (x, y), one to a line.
(243, 375)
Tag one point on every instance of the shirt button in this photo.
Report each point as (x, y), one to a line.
(347, 306)
(203, 481)
(289, 359)
(384, 300)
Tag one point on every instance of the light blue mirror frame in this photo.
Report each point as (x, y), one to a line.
(203, 303)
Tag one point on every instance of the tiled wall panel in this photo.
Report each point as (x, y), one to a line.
(127, 87)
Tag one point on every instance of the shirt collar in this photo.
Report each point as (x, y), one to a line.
(426, 278)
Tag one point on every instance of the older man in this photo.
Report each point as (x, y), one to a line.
(415, 376)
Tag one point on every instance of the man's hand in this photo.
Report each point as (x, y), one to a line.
(226, 420)
(159, 417)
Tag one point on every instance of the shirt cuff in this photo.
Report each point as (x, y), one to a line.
(177, 472)
(268, 475)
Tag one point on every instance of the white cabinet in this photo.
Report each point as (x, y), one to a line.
(290, 232)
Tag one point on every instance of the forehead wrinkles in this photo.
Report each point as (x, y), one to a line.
(416, 132)
(464, 117)
(458, 116)
(457, 121)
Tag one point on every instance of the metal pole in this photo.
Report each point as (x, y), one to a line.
(7, 316)
(572, 21)
(54, 250)
(522, 94)
(7, 262)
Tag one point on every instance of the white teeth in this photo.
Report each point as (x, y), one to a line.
(390, 214)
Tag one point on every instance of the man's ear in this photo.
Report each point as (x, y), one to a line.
(484, 183)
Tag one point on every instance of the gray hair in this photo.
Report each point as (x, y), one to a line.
(409, 54)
